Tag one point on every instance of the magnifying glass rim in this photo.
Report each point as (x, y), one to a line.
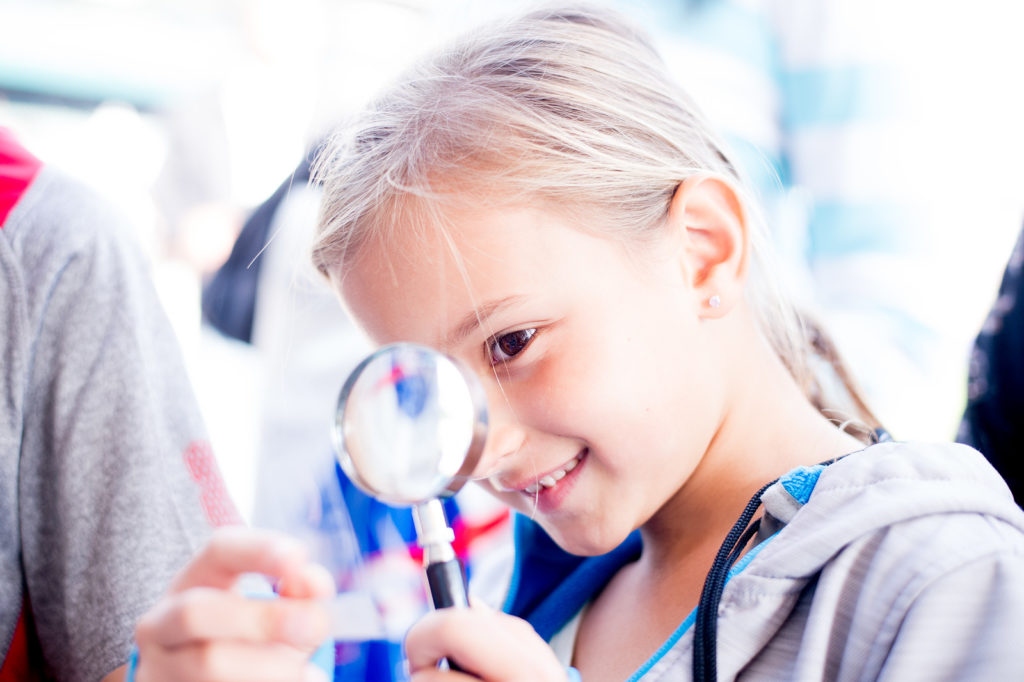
(474, 450)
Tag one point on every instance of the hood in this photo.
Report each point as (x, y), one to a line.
(874, 488)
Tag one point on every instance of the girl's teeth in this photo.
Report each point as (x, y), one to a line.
(551, 479)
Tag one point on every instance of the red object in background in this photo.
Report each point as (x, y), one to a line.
(17, 169)
(213, 493)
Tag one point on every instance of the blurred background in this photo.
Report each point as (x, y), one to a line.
(187, 114)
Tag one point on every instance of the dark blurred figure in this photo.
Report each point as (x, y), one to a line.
(994, 419)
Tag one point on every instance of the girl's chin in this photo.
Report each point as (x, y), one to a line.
(580, 542)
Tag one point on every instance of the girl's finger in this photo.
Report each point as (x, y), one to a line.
(488, 644)
(203, 614)
(311, 581)
(234, 551)
(227, 661)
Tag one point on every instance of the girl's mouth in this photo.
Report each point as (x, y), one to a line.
(551, 479)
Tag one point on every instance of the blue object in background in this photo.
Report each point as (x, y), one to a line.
(411, 390)
(375, 659)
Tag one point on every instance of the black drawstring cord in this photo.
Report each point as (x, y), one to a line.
(705, 634)
(705, 666)
(742, 542)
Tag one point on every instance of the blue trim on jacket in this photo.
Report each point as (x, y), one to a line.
(549, 585)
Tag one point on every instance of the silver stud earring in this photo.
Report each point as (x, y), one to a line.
(715, 301)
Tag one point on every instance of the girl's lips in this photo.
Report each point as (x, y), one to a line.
(537, 484)
(548, 499)
(537, 487)
(550, 479)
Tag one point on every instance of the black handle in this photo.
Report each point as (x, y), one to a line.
(447, 583)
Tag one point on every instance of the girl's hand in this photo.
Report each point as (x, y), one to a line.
(486, 644)
(206, 629)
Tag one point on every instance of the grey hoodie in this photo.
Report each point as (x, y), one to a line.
(906, 562)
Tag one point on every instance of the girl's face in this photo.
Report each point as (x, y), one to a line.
(599, 373)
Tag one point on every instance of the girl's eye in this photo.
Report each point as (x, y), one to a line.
(507, 346)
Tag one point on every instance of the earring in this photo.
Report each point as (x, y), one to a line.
(715, 301)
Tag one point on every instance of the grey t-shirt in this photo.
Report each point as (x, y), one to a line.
(107, 483)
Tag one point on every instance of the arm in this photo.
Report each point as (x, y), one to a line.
(117, 486)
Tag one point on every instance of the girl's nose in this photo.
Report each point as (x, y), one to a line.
(505, 433)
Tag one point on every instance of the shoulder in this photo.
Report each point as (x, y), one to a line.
(899, 547)
(899, 480)
(925, 498)
(75, 252)
(59, 217)
(936, 580)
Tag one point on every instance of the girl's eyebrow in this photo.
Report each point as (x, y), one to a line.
(476, 317)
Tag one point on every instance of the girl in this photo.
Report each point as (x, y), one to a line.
(542, 203)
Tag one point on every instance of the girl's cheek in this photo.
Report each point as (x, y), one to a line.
(564, 396)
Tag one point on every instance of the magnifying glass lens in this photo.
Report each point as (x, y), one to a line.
(410, 424)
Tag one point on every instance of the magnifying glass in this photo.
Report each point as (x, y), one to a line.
(409, 429)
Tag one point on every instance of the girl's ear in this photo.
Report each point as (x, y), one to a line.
(708, 217)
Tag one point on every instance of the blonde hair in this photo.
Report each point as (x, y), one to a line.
(568, 106)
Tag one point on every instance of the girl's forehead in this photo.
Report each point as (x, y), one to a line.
(465, 248)
(418, 285)
(407, 284)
